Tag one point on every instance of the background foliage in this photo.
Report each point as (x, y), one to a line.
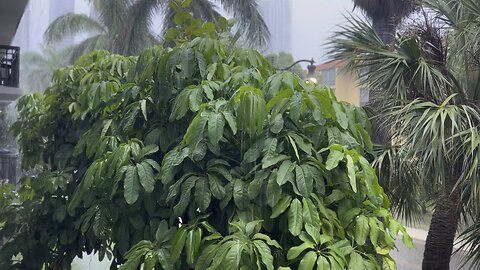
(197, 156)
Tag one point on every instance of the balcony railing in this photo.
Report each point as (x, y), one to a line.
(9, 65)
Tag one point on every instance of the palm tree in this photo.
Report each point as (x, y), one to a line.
(386, 15)
(124, 26)
(38, 68)
(427, 84)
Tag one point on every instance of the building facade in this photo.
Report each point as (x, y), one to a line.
(278, 17)
(10, 14)
(344, 83)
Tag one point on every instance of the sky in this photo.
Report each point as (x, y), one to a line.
(313, 22)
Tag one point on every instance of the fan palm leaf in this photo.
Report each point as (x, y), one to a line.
(38, 68)
(248, 17)
(71, 24)
(98, 42)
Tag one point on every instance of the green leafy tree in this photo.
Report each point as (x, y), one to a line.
(427, 84)
(193, 157)
(283, 60)
(125, 26)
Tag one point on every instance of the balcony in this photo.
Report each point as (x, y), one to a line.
(9, 65)
(9, 74)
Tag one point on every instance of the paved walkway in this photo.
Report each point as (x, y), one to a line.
(411, 259)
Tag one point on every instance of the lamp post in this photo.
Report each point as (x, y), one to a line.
(311, 69)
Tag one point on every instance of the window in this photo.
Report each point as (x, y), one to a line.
(329, 76)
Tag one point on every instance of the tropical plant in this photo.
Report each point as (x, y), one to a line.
(386, 15)
(125, 26)
(197, 156)
(37, 68)
(428, 86)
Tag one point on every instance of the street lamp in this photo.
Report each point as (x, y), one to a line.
(311, 69)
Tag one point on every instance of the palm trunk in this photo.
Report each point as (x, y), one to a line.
(385, 29)
(441, 235)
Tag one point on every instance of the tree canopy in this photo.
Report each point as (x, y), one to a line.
(196, 156)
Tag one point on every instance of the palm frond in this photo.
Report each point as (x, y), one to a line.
(250, 20)
(402, 72)
(400, 177)
(137, 34)
(97, 42)
(71, 24)
(429, 136)
(113, 14)
(204, 9)
(470, 241)
(38, 68)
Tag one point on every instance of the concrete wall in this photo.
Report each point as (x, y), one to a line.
(346, 88)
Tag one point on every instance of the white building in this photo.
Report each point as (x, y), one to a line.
(278, 16)
(37, 17)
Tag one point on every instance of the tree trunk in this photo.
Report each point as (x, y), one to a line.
(441, 235)
(385, 29)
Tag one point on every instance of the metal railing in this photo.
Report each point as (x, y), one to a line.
(9, 65)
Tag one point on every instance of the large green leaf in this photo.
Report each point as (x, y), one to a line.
(334, 157)
(274, 191)
(351, 173)
(203, 195)
(192, 245)
(240, 194)
(131, 185)
(285, 172)
(251, 110)
(361, 230)
(294, 252)
(310, 212)
(308, 261)
(218, 191)
(216, 123)
(281, 206)
(295, 218)
(145, 175)
(301, 181)
(178, 242)
(265, 253)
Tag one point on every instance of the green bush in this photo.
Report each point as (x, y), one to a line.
(197, 156)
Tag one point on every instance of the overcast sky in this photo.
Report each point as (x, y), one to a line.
(313, 22)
